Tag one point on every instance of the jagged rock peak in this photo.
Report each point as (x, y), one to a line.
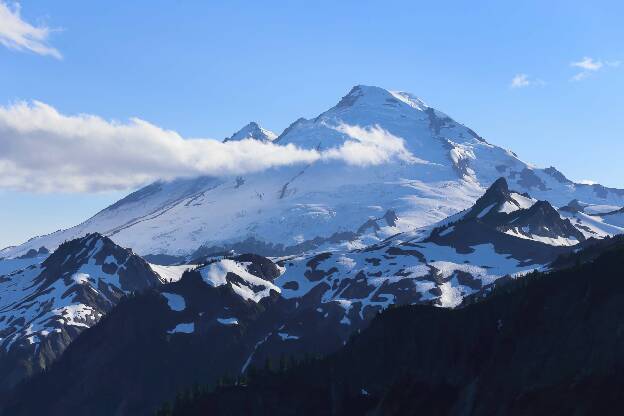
(94, 249)
(573, 206)
(495, 196)
(253, 131)
(499, 188)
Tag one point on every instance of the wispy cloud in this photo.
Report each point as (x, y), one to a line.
(17, 34)
(523, 81)
(520, 81)
(589, 66)
(370, 146)
(43, 150)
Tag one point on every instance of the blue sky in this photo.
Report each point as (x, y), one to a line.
(205, 69)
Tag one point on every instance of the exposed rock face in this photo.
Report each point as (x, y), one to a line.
(252, 245)
(45, 306)
(337, 291)
(202, 326)
(32, 253)
(211, 328)
(542, 219)
(501, 356)
(573, 206)
(500, 213)
(492, 200)
(557, 175)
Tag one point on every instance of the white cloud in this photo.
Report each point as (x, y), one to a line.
(589, 66)
(520, 81)
(43, 150)
(370, 146)
(523, 80)
(580, 76)
(587, 182)
(20, 35)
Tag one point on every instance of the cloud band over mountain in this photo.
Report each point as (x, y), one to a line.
(43, 150)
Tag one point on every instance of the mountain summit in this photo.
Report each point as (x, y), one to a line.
(296, 208)
(252, 131)
(45, 305)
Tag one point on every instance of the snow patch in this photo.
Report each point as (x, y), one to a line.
(80, 278)
(215, 274)
(284, 336)
(170, 274)
(227, 321)
(451, 296)
(485, 211)
(183, 328)
(175, 302)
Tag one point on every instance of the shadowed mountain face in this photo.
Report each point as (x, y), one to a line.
(547, 344)
(44, 306)
(232, 313)
(443, 168)
(510, 211)
(240, 310)
(500, 214)
(151, 345)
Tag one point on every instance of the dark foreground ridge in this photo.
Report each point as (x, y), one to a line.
(546, 344)
(58, 299)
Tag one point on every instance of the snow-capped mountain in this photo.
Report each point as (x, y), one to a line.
(546, 343)
(338, 291)
(48, 301)
(45, 302)
(444, 168)
(252, 131)
(204, 324)
(614, 217)
(504, 233)
(501, 211)
(234, 312)
(596, 221)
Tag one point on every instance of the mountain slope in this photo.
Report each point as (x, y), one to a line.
(547, 345)
(45, 305)
(445, 167)
(150, 345)
(241, 310)
(502, 211)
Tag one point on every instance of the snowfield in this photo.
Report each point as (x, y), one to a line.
(439, 168)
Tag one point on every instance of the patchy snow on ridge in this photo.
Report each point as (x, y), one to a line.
(593, 225)
(250, 287)
(8, 266)
(72, 288)
(521, 202)
(170, 274)
(553, 241)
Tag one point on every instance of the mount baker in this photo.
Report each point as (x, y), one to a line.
(446, 166)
